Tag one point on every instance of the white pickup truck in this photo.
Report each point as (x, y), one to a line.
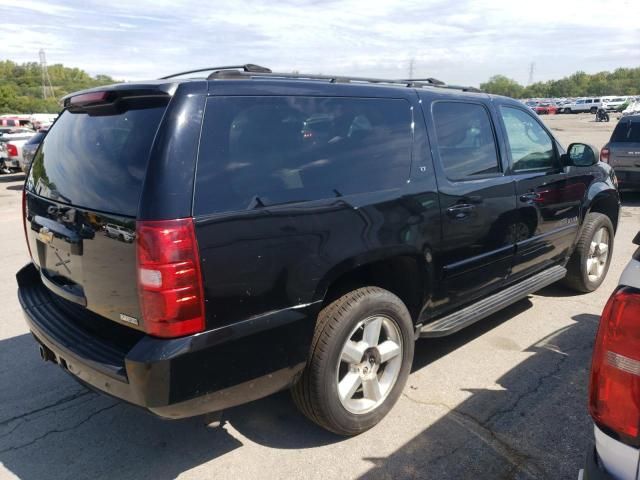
(11, 150)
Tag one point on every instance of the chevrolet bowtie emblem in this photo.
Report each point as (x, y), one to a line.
(45, 235)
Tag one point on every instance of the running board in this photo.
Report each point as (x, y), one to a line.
(489, 305)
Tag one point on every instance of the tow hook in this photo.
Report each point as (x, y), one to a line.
(47, 355)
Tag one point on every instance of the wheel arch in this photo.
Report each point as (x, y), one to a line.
(607, 202)
(404, 273)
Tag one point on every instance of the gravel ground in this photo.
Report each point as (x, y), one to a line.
(505, 398)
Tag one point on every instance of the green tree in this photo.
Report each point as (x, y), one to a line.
(501, 85)
(21, 86)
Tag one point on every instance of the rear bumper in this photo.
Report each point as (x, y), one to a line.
(628, 179)
(173, 378)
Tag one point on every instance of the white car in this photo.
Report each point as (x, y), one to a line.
(121, 233)
(614, 390)
(582, 105)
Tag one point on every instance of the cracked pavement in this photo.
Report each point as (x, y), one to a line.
(503, 399)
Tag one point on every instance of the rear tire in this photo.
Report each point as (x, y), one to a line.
(360, 360)
(589, 263)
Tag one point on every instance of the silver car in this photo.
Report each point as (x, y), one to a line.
(623, 152)
(29, 150)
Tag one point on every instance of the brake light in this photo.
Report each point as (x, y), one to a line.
(12, 150)
(614, 390)
(169, 279)
(604, 155)
(87, 99)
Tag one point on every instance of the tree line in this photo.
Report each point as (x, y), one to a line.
(622, 81)
(21, 86)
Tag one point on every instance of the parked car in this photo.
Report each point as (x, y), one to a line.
(29, 150)
(583, 105)
(120, 232)
(613, 103)
(615, 382)
(270, 261)
(623, 152)
(13, 144)
(545, 108)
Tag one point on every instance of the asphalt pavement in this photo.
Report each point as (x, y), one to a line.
(505, 398)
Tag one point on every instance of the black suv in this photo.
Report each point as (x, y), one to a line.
(297, 231)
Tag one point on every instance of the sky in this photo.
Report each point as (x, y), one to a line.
(457, 41)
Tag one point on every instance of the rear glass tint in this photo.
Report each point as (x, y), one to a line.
(466, 142)
(262, 151)
(97, 162)
(626, 132)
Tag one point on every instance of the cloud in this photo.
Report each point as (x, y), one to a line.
(462, 41)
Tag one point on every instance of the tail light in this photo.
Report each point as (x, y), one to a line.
(12, 150)
(614, 390)
(169, 278)
(604, 155)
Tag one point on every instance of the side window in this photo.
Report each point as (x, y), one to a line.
(531, 147)
(588, 101)
(466, 143)
(262, 151)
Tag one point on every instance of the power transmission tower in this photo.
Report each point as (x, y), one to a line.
(47, 88)
(411, 62)
(532, 68)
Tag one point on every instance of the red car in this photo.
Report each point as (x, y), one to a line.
(545, 108)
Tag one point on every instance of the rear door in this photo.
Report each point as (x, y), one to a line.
(549, 196)
(477, 201)
(89, 174)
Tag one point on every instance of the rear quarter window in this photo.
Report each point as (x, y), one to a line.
(262, 151)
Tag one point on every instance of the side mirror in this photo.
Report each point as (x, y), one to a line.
(579, 155)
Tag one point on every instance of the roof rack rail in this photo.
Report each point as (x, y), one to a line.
(247, 67)
(249, 71)
(431, 80)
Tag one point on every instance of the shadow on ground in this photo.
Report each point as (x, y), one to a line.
(50, 427)
(536, 426)
(12, 177)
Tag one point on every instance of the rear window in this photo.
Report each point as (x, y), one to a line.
(626, 132)
(262, 151)
(466, 144)
(97, 162)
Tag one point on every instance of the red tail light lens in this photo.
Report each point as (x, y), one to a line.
(12, 150)
(614, 390)
(604, 155)
(169, 279)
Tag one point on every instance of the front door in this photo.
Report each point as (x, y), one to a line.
(548, 195)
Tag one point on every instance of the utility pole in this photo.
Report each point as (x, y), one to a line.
(532, 68)
(47, 88)
(411, 63)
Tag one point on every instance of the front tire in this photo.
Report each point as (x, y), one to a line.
(589, 264)
(360, 360)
